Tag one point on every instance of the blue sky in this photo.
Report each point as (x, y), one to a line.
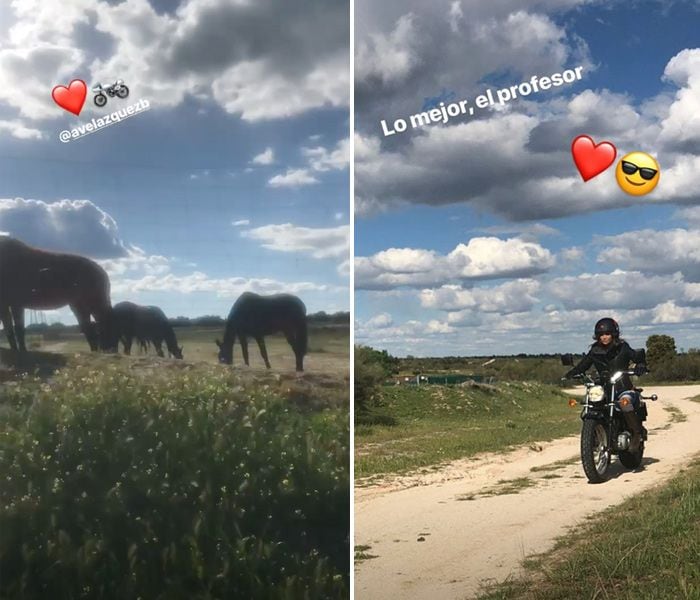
(173, 202)
(479, 236)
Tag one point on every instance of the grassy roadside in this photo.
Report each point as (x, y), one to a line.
(434, 424)
(650, 551)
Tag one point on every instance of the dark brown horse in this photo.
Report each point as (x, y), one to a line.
(146, 324)
(257, 316)
(42, 280)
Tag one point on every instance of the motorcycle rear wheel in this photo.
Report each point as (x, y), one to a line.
(595, 451)
(123, 91)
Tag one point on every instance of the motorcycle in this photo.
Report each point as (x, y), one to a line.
(118, 88)
(604, 432)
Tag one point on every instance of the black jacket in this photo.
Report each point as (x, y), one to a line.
(607, 360)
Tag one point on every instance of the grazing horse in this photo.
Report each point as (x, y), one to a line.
(145, 323)
(42, 280)
(256, 316)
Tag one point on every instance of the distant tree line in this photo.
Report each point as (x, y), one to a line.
(373, 367)
(318, 319)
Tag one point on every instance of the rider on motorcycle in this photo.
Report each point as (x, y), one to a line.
(609, 353)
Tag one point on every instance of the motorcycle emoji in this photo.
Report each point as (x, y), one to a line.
(604, 432)
(118, 88)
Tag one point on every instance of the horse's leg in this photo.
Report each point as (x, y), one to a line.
(244, 349)
(18, 317)
(261, 344)
(289, 334)
(83, 317)
(158, 343)
(128, 341)
(6, 317)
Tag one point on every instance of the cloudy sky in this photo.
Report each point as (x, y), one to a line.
(235, 179)
(479, 237)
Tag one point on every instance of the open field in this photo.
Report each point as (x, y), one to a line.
(329, 348)
(424, 426)
(128, 477)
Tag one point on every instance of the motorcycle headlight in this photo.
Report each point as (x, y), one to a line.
(596, 393)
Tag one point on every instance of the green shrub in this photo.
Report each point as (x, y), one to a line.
(372, 367)
(116, 487)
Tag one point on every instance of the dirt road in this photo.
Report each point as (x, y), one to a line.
(437, 536)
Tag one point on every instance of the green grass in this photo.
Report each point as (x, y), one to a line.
(434, 424)
(555, 466)
(361, 553)
(502, 488)
(677, 415)
(167, 480)
(649, 549)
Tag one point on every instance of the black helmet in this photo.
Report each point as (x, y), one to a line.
(606, 325)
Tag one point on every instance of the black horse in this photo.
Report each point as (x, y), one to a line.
(256, 316)
(146, 324)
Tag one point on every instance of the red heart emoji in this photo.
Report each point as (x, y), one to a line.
(70, 98)
(592, 159)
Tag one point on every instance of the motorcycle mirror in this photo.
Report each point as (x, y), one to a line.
(567, 360)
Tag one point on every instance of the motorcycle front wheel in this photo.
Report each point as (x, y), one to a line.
(595, 450)
(632, 460)
(100, 100)
(123, 91)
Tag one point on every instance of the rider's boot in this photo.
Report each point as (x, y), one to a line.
(635, 425)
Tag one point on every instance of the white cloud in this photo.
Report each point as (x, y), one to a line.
(682, 125)
(512, 296)
(649, 250)
(387, 58)
(264, 158)
(321, 159)
(405, 260)
(67, 225)
(481, 258)
(379, 321)
(572, 254)
(230, 287)
(517, 166)
(618, 289)
(669, 312)
(241, 223)
(488, 257)
(208, 49)
(318, 242)
(20, 130)
(293, 178)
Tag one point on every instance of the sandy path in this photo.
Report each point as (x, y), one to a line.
(469, 538)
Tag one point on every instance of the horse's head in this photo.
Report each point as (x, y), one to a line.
(225, 354)
(178, 352)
